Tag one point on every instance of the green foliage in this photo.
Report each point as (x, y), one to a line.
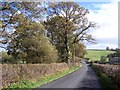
(107, 48)
(80, 50)
(115, 54)
(9, 12)
(67, 24)
(108, 76)
(103, 59)
(30, 45)
(5, 58)
(74, 19)
(59, 31)
(105, 81)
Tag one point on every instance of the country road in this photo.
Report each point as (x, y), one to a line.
(84, 78)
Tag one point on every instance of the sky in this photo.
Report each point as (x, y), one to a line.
(105, 14)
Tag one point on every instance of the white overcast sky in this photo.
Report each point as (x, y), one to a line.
(106, 16)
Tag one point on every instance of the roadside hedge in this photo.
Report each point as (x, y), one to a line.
(112, 72)
(13, 73)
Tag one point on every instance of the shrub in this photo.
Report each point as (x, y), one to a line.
(103, 59)
(6, 58)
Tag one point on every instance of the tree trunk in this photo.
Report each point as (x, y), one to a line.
(68, 55)
(67, 50)
(74, 57)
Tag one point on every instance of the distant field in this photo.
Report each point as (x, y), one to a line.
(95, 55)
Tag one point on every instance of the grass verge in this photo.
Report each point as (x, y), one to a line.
(29, 85)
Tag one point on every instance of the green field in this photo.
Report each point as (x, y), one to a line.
(95, 55)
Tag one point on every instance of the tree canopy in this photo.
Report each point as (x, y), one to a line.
(68, 23)
(27, 38)
(30, 45)
(9, 11)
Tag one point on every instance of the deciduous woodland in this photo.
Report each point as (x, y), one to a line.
(34, 32)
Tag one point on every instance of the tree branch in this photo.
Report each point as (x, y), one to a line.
(3, 47)
(81, 33)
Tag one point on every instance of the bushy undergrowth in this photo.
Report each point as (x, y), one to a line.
(109, 75)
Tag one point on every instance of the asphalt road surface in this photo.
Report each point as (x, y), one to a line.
(84, 78)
